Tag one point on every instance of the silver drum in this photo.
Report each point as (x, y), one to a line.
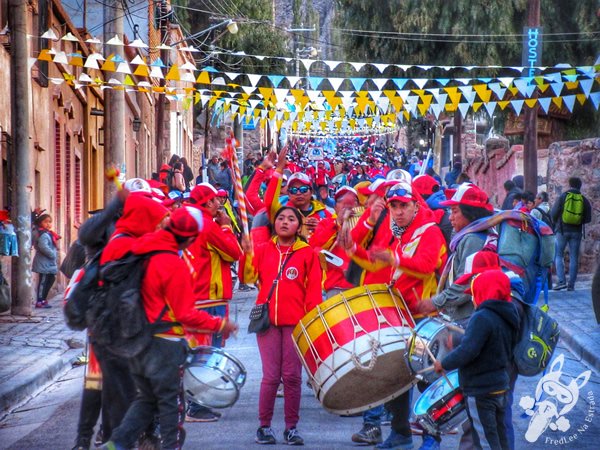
(213, 378)
(433, 334)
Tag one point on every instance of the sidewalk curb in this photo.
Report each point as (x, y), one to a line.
(579, 347)
(14, 391)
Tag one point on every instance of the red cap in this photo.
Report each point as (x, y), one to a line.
(344, 190)
(490, 285)
(299, 177)
(222, 193)
(203, 193)
(424, 184)
(378, 187)
(478, 262)
(470, 195)
(185, 221)
(400, 192)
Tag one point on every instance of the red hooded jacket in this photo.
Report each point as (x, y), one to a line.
(141, 215)
(167, 281)
(209, 260)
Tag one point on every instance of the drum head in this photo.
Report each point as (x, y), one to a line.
(436, 392)
(214, 378)
(358, 391)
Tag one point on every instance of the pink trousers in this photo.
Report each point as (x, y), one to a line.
(279, 362)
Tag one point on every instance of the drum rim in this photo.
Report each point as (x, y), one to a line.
(439, 380)
(222, 352)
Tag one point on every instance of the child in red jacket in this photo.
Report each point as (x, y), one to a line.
(288, 269)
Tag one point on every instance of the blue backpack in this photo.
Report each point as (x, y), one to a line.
(526, 246)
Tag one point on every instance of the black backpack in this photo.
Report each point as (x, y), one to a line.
(80, 292)
(545, 217)
(116, 317)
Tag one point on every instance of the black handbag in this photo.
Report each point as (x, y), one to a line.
(259, 314)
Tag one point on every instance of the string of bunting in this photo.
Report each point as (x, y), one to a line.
(371, 101)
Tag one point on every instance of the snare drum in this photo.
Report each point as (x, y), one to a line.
(352, 346)
(435, 335)
(441, 408)
(214, 378)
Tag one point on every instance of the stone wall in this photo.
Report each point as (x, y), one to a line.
(580, 159)
(489, 169)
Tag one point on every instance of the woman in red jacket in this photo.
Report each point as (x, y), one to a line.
(289, 266)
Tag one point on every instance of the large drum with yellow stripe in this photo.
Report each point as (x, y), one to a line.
(352, 347)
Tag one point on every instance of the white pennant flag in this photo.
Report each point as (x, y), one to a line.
(380, 82)
(464, 108)
(545, 103)
(569, 102)
(490, 108)
(307, 63)
(517, 106)
(280, 94)
(420, 82)
(335, 83)
(248, 89)
(557, 88)
(380, 67)
(254, 79)
(357, 66)
(332, 64)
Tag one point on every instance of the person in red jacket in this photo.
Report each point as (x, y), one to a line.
(326, 237)
(158, 371)
(290, 278)
(141, 215)
(209, 259)
(300, 193)
(416, 253)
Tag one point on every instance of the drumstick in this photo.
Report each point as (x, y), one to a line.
(455, 328)
(425, 370)
(433, 358)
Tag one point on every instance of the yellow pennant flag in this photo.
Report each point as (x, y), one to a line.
(203, 78)
(142, 71)
(580, 98)
(483, 92)
(476, 106)
(531, 102)
(173, 74)
(45, 55)
(503, 104)
(558, 101)
(128, 81)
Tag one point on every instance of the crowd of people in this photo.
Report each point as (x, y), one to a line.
(386, 215)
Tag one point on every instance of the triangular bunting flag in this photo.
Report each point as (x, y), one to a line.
(595, 98)
(314, 82)
(545, 103)
(490, 107)
(517, 106)
(332, 64)
(254, 79)
(463, 108)
(586, 86)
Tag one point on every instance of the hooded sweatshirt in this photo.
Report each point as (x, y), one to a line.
(168, 281)
(141, 215)
(485, 351)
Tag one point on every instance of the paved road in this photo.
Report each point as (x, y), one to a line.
(48, 421)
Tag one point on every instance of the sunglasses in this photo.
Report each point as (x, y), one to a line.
(398, 192)
(296, 190)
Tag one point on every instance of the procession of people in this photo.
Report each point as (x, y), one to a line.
(362, 216)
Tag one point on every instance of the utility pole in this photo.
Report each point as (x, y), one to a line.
(21, 300)
(530, 117)
(160, 103)
(114, 99)
(457, 140)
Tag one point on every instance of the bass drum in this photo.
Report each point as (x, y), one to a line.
(213, 378)
(352, 347)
